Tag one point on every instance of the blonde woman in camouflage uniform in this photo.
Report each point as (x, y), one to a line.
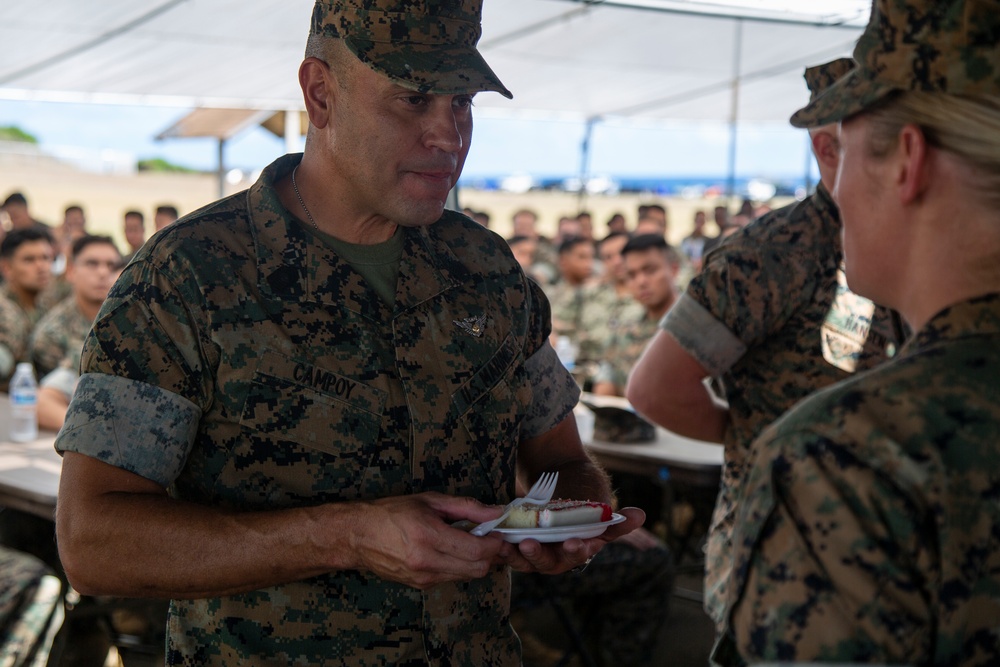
(869, 527)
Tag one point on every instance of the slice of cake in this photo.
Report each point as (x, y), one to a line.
(557, 513)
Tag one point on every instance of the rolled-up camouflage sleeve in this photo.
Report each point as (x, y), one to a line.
(702, 336)
(144, 385)
(131, 425)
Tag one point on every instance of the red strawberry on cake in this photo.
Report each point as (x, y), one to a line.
(558, 513)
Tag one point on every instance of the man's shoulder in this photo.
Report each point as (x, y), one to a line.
(201, 231)
(795, 223)
(10, 309)
(6, 299)
(790, 248)
(459, 230)
(60, 313)
(470, 251)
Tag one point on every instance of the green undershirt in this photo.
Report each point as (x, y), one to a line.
(378, 263)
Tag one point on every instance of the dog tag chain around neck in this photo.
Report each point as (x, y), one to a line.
(295, 186)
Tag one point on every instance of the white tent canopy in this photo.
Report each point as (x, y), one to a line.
(724, 61)
(644, 59)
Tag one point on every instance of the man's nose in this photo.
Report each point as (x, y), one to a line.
(443, 129)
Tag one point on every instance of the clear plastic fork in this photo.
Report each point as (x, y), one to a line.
(539, 494)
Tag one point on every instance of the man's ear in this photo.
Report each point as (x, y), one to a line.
(318, 86)
(913, 168)
(826, 146)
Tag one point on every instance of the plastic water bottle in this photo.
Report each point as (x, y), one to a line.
(566, 351)
(23, 404)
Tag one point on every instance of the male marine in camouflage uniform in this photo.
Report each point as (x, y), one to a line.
(771, 315)
(576, 266)
(15, 332)
(291, 394)
(59, 335)
(869, 529)
(651, 268)
(608, 305)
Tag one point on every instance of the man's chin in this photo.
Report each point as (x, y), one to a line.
(422, 214)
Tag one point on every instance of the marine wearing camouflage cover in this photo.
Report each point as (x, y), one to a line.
(31, 609)
(59, 335)
(869, 531)
(624, 349)
(771, 315)
(907, 46)
(250, 368)
(396, 38)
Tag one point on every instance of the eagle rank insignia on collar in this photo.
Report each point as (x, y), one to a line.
(474, 326)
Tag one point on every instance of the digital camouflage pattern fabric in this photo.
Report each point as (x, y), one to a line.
(770, 314)
(250, 368)
(425, 45)
(620, 601)
(911, 45)
(869, 530)
(567, 307)
(15, 333)
(624, 349)
(821, 77)
(605, 313)
(31, 609)
(59, 336)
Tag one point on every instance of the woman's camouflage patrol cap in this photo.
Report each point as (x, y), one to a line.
(946, 46)
(426, 45)
(821, 77)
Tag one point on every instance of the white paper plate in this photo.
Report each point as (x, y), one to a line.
(558, 533)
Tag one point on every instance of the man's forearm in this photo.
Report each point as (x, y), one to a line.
(144, 545)
(120, 534)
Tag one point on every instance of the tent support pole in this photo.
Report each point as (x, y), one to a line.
(581, 195)
(734, 108)
(222, 168)
(293, 127)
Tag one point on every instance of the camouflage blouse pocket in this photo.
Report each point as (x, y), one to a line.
(308, 432)
(492, 406)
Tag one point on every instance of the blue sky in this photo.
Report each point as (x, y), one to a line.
(501, 145)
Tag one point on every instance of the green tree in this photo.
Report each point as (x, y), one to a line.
(159, 164)
(14, 133)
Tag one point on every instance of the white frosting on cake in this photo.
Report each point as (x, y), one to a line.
(557, 513)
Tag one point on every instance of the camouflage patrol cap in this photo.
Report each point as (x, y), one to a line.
(821, 77)
(426, 45)
(945, 46)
